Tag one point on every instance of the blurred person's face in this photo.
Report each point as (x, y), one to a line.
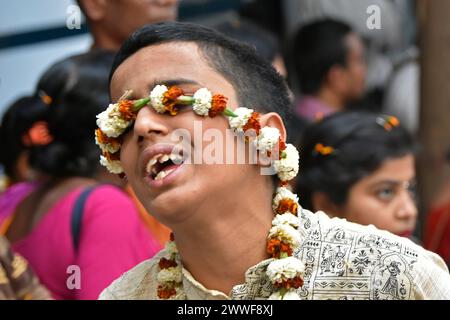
(385, 198)
(188, 185)
(353, 78)
(123, 17)
(280, 66)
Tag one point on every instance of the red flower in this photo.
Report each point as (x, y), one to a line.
(281, 147)
(170, 99)
(218, 105)
(167, 263)
(126, 110)
(275, 247)
(287, 205)
(253, 123)
(111, 156)
(104, 139)
(166, 293)
(284, 183)
(295, 283)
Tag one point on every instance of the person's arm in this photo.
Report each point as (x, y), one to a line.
(113, 239)
(17, 280)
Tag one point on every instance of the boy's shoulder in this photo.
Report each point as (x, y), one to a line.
(374, 263)
(139, 283)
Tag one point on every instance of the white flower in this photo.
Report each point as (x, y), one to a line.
(172, 274)
(283, 193)
(171, 248)
(113, 166)
(111, 122)
(267, 139)
(238, 123)
(202, 101)
(287, 219)
(286, 234)
(281, 270)
(290, 295)
(156, 98)
(287, 168)
(107, 147)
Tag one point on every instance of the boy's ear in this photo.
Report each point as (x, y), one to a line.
(273, 119)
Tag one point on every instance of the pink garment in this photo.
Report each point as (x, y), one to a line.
(312, 108)
(10, 198)
(113, 239)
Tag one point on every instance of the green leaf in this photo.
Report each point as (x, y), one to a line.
(140, 103)
(229, 113)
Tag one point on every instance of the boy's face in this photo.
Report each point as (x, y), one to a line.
(188, 185)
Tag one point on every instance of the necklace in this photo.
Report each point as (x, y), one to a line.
(284, 271)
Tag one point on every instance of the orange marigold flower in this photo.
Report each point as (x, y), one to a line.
(170, 99)
(275, 247)
(167, 263)
(166, 293)
(295, 283)
(253, 123)
(284, 183)
(126, 110)
(323, 150)
(281, 147)
(111, 156)
(218, 105)
(394, 121)
(287, 205)
(104, 139)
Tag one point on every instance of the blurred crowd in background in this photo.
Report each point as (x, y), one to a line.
(355, 117)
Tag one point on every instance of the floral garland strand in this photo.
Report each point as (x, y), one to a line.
(285, 271)
(170, 276)
(119, 116)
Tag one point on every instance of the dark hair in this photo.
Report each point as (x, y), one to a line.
(78, 87)
(16, 122)
(316, 48)
(265, 43)
(361, 145)
(255, 81)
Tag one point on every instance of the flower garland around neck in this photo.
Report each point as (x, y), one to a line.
(285, 271)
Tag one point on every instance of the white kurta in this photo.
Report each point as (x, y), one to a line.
(343, 261)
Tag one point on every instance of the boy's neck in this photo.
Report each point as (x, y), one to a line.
(232, 238)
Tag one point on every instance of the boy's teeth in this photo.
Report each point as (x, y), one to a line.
(163, 174)
(175, 158)
(164, 158)
(150, 165)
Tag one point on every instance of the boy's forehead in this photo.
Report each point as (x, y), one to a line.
(165, 62)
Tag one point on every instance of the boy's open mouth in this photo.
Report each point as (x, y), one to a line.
(162, 164)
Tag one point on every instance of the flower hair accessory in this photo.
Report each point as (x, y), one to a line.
(388, 122)
(285, 271)
(37, 135)
(323, 150)
(46, 99)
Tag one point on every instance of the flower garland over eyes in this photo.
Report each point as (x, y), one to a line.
(285, 271)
